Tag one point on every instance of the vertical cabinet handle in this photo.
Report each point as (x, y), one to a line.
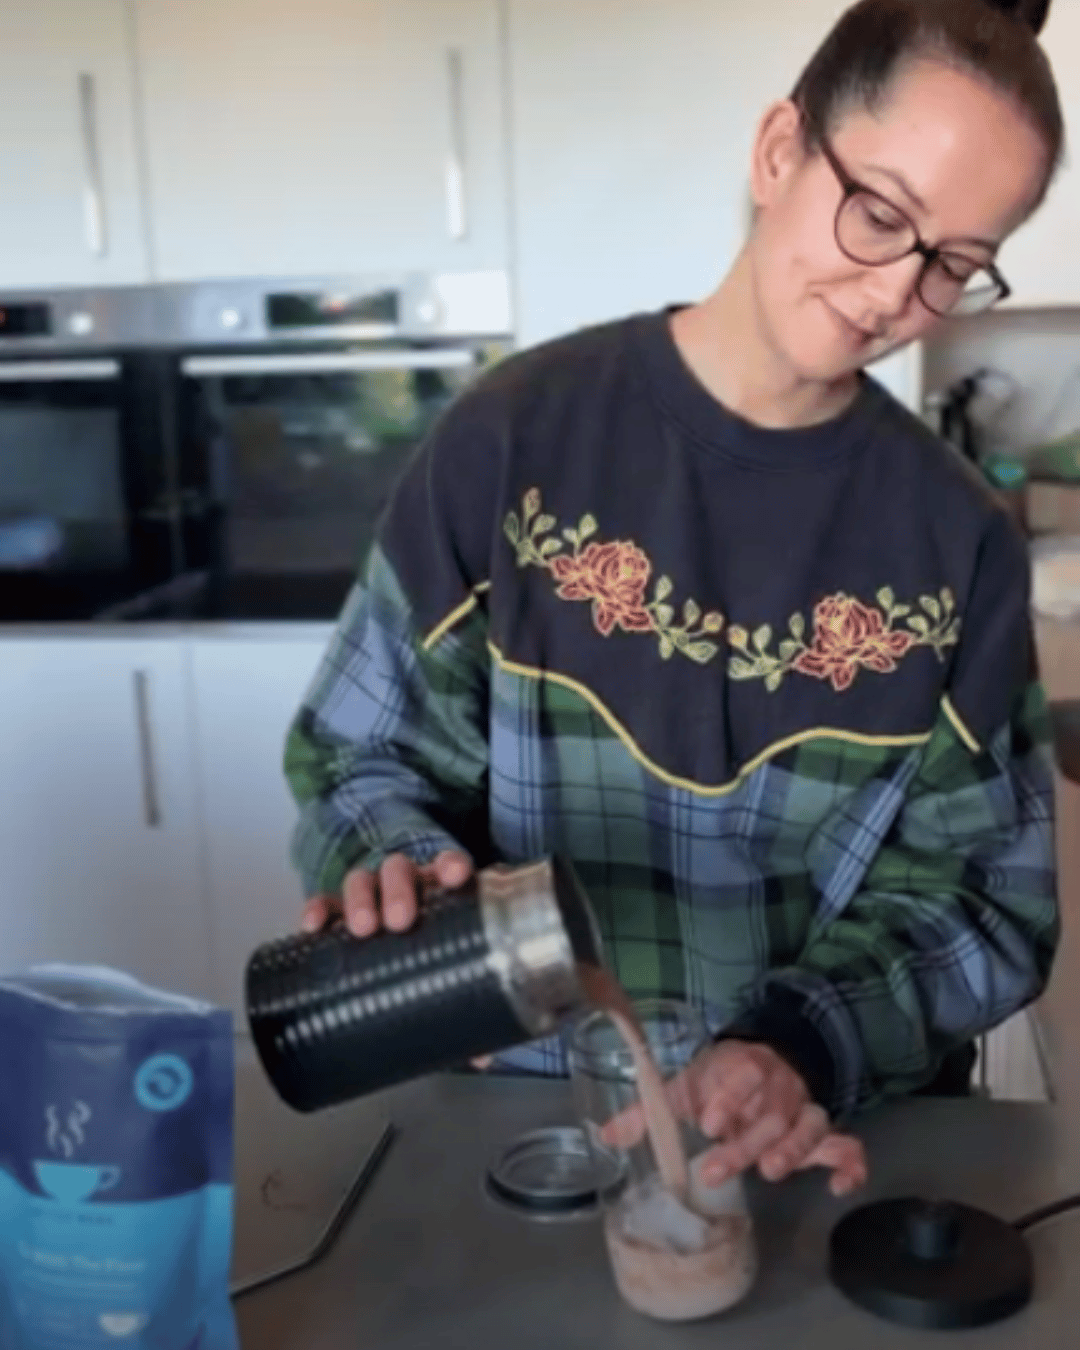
(93, 198)
(457, 204)
(151, 804)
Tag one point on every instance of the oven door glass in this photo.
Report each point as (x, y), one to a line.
(297, 454)
(76, 530)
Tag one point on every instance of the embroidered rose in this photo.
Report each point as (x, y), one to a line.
(847, 635)
(613, 576)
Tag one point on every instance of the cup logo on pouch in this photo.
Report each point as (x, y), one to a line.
(68, 1182)
(163, 1083)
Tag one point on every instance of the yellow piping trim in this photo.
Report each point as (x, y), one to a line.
(958, 725)
(455, 616)
(701, 789)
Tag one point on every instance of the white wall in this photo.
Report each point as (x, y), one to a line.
(632, 122)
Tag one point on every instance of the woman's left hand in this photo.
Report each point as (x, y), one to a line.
(749, 1096)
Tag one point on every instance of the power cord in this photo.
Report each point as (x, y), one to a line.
(1047, 1212)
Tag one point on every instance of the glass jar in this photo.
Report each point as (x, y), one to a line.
(671, 1260)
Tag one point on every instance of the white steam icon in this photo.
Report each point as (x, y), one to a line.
(65, 1141)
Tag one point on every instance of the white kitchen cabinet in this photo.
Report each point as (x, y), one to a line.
(70, 203)
(328, 137)
(1041, 261)
(247, 687)
(99, 839)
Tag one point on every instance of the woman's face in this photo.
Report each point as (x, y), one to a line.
(954, 154)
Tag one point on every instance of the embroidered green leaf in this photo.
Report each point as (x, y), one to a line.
(531, 504)
(773, 681)
(511, 527)
(667, 647)
(738, 637)
(587, 526)
(900, 610)
(542, 524)
(930, 604)
(886, 598)
(797, 624)
(741, 670)
(571, 536)
(788, 648)
(691, 612)
(664, 615)
(919, 624)
(550, 546)
(701, 651)
(713, 622)
(953, 632)
(948, 599)
(762, 637)
(663, 588)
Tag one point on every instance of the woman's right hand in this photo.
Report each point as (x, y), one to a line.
(389, 898)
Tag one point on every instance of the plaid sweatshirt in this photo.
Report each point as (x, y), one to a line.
(771, 691)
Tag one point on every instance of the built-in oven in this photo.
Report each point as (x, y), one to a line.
(85, 466)
(223, 449)
(293, 431)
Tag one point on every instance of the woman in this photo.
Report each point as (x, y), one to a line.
(695, 602)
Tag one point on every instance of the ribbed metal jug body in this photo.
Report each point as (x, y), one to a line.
(485, 968)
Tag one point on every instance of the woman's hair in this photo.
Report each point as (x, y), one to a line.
(875, 40)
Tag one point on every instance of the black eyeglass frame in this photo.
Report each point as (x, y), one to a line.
(930, 255)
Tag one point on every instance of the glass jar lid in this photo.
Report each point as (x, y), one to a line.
(553, 1173)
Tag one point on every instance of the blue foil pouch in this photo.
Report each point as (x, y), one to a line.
(116, 1148)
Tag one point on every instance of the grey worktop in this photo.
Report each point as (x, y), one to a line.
(428, 1261)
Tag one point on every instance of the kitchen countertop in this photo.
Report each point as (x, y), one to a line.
(429, 1261)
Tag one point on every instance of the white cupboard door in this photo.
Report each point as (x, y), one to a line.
(247, 691)
(1040, 262)
(633, 122)
(70, 202)
(98, 823)
(328, 137)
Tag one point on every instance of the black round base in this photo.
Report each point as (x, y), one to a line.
(930, 1264)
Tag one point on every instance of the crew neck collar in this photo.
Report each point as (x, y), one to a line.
(685, 399)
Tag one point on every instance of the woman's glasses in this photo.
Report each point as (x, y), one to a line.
(873, 231)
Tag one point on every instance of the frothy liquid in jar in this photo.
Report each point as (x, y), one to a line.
(676, 1255)
(676, 1282)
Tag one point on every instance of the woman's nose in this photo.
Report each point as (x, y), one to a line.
(888, 290)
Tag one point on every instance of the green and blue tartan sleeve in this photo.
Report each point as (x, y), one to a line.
(388, 752)
(953, 931)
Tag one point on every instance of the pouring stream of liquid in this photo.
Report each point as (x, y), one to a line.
(606, 994)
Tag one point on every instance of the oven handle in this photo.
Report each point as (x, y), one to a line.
(328, 363)
(94, 198)
(151, 801)
(46, 372)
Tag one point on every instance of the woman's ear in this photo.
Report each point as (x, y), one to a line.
(777, 153)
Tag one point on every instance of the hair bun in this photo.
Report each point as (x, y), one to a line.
(1031, 12)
